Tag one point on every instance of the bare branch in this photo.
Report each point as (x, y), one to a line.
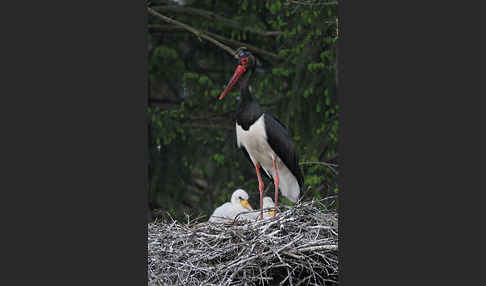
(261, 52)
(269, 55)
(215, 17)
(321, 163)
(329, 165)
(166, 28)
(299, 243)
(311, 2)
(198, 33)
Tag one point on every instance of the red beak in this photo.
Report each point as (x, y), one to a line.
(240, 70)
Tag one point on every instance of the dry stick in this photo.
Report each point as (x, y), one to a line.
(199, 34)
(257, 50)
(252, 48)
(322, 163)
(329, 165)
(183, 254)
(312, 3)
(215, 17)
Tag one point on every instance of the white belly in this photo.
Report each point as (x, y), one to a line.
(255, 142)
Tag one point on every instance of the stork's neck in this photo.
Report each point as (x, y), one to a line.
(249, 110)
(246, 97)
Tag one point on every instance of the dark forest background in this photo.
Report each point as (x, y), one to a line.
(194, 164)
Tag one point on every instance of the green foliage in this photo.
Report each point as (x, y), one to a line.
(219, 158)
(194, 161)
(313, 67)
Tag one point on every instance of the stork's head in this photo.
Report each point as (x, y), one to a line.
(246, 63)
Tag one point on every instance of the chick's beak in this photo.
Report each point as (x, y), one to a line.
(246, 204)
(271, 213)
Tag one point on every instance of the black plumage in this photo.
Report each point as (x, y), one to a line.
(280, 141)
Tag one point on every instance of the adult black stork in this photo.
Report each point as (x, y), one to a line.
(265, 141)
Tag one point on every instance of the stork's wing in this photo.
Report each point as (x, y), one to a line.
(279, 139)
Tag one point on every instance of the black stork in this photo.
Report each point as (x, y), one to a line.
(265, 141)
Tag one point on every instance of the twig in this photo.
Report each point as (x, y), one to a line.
(215, 17)
(252, 48)
(271, 56)
(312, 3)
(302, 239)
(329, 165)
(322, 163)
(198, 33)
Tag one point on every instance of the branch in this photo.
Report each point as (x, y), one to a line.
(166, 28)
(312, 3)
(321, 163)
(329, 165)
(256, 50)
(198, 33)
(252, 48)
(215, 17)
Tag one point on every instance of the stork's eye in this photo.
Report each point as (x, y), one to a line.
(244, 61)
(240, 198)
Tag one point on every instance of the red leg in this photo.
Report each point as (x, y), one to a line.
(275, 181)
(260, 188)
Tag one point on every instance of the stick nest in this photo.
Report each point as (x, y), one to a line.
(298, 246)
